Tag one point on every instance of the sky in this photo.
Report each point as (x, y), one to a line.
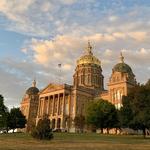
(36, 36)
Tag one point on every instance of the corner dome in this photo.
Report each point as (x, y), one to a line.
(88, 58)
(32, 90)
(122, 67)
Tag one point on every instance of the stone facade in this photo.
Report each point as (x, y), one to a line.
(121, 81)
(62, 103)
(29, 106)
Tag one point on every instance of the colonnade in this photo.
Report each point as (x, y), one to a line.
(56, 106)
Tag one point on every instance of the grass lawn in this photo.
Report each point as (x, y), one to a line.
(68, 141)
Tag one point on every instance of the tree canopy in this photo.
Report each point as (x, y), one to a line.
(17, 119)
(101, 114)
(3, 113)
(43, 131)
(135, 112)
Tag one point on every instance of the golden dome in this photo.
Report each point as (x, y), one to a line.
(88, 58)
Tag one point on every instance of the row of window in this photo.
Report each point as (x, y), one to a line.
(87, 70)
(88, 79)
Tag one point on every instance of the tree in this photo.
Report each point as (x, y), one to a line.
(79, 122)
(17, 119)
(3, 114)
(68, 122)
(42, 130)
(7, 121)
(135, 112)
(126, 112)
(101, 114)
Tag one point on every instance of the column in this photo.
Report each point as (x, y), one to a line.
(53, 105)
(48, 106)
(63, 110)
(58, 101)
(69, 103)
(42, 107)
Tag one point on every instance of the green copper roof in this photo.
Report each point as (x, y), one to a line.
(122, 67)
(32, 91)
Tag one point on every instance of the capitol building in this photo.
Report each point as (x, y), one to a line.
(63, 102)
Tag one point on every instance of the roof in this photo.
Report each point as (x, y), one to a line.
(122, 67)
(32, 91)
(88, 57)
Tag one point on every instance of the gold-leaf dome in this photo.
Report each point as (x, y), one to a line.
(88, 58)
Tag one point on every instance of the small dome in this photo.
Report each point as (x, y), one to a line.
(88, 58)
(32, 91)
(122, 67)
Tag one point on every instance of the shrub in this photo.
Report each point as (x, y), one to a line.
(42, 131)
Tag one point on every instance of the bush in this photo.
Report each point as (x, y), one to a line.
(42, 131)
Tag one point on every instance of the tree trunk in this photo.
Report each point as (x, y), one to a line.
(107, 130)
(101, 130)
(7, 129)
(115, 130)
(144, 133)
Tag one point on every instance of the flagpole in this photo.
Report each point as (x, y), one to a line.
(59, 67)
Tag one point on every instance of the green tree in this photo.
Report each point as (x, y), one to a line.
(7, 121)
(3, 113)
(17, 119)
(126, 112)
(135, 112)
(101, 114)
(42, 131)
(79, 122)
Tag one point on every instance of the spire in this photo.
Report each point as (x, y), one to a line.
(34, 83)
(121, 58)
(89, 48)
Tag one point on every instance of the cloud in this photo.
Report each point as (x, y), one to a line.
(13, 10)
(49, 18)
(68, 2)
(113, 18)
(66, 48)
(139, 36)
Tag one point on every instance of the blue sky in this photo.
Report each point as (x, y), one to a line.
(36, 35)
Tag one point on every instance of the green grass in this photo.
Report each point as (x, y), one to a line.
(68, 141)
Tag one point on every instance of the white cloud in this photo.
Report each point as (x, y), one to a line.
(24, 50)
(47, 6)
(68, 2)
(113, 18)
(139, 36)
(49, 18)
(14, 9)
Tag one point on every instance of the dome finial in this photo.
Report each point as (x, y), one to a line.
(121, 58)
(34, 83)
(89, 48)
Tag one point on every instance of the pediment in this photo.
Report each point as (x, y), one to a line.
(51, 87)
